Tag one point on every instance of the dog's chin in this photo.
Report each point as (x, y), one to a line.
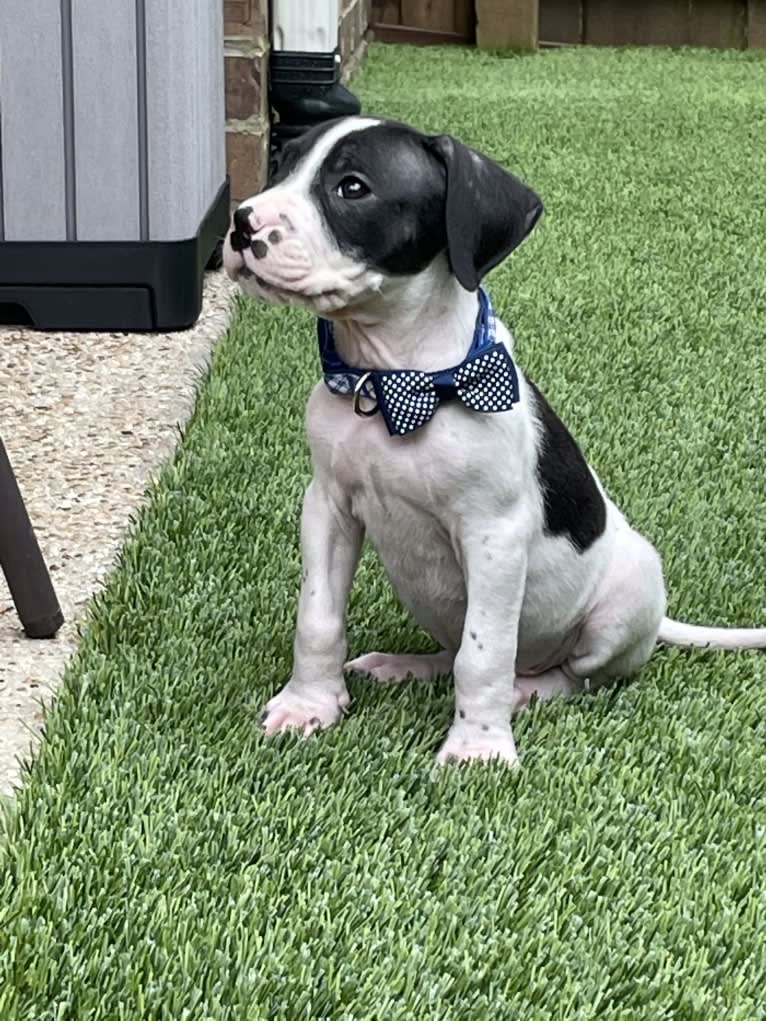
(321, 304)
(332, 303)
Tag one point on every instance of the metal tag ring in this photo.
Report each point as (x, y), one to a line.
(358, 409)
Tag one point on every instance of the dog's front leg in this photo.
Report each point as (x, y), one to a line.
(494, 559)
(316, 694)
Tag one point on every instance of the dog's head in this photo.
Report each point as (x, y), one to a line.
(359, 201)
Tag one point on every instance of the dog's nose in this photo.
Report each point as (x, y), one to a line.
(242, 234)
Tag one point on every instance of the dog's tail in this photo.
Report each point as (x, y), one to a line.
(690, 636)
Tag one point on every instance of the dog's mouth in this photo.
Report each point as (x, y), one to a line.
(320, 302)
(318, 286)
(241, 270)
(238, 270)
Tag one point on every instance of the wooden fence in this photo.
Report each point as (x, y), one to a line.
(734, 24)
(424, 21)
(525, 24)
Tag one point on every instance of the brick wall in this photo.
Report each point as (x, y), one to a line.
(354, 21)
(246, 48)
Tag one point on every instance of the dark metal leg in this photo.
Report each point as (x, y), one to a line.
(22, 562)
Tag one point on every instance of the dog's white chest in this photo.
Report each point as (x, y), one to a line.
(403, 491)
(415, 494)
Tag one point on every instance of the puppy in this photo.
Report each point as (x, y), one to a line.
(428, 439)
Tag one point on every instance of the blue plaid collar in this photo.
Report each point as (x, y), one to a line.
(485, 381)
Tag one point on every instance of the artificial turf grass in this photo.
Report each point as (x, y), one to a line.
(165, 861)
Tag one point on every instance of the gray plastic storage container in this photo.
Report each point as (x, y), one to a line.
(113, 190)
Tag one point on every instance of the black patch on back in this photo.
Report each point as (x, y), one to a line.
(573, 503)
(399, 226)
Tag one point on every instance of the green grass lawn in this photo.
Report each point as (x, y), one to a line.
(164, 861)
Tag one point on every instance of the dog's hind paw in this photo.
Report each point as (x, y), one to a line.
(293, 710)
(385, 667)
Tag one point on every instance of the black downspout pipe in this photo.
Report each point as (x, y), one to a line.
(304, 90)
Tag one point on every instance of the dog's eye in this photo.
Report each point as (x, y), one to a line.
(352, 188)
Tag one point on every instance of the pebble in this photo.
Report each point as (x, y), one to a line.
(86, 419)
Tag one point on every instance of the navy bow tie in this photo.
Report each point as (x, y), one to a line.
(484, 381)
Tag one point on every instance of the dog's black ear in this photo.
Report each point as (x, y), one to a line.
(488, 211)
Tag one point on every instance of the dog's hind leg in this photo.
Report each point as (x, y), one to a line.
(620, 633)
(384, 667)
(545, 686)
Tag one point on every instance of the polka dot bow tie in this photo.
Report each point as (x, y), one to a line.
(485, 380)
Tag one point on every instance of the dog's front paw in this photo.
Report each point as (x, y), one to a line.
(467, 743)
(302, 710)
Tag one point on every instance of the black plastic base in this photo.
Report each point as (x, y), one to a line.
(322, 105)
(305, 71)
(110, 285)
(304, 90)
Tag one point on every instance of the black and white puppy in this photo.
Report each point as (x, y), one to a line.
(493, 529)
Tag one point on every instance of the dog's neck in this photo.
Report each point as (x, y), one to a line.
(424, 322)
